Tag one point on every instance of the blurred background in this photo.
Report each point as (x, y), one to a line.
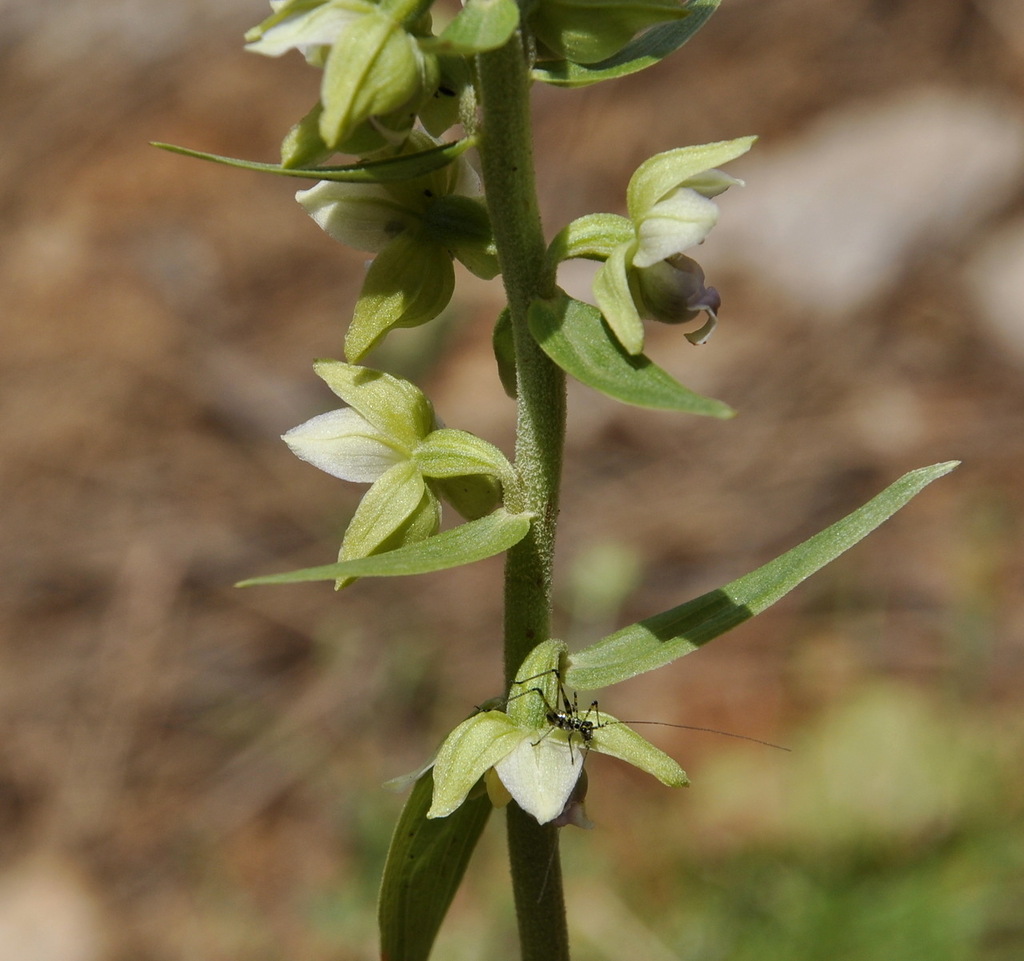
(191, 771)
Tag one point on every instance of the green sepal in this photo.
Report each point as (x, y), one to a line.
(462, 226)
(504, 346)
(610, 736)
(477, 744)
(472, 495)
(440, 110)
(398, 510)
(293, 8)
(469, 542)
(649, 48)
(576, 337)
(658, 640)
(373, 68)
(409, 283)
(663, 172)
(592, 237)
(480, 26)
(424, 868)
(302, 145)
(540, 671)
(447, 452)
(588, 31)
(394, 406)
(392, 170)
(465, 470)
(616, 300)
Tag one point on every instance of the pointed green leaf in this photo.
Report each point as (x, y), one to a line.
(480, 26)
(658, 640)
(575, 336)
(469, 542)
(405, 167)
(646, 50)
(425, 865)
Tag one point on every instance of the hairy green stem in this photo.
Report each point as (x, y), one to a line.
(507, 159)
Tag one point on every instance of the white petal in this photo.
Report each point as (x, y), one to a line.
(680, 221)
(364, 216)
(541, 773)
(467, 180)
(344, 445)
(314, 28)
(712, 182)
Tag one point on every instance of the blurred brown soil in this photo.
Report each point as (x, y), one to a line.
(183, 745)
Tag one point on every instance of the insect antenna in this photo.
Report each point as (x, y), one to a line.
(711, 730)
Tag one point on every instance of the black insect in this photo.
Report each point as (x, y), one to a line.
(572, 721)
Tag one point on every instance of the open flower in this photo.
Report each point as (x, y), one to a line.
(372, 442)
(389, 438)
(534, 753)
(415, 228)
(671, 210)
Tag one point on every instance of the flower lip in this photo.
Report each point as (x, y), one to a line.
(344, 444)
(673, 291)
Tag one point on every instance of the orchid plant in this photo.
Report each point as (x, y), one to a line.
(412, 105)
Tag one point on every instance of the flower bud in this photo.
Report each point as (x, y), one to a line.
(374, 67)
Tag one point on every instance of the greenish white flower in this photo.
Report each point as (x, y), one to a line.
(537, 747)
(373, 64)
(389, 438)
(415, 228)
(671, 209)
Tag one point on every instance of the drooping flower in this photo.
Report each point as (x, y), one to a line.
(671, 209)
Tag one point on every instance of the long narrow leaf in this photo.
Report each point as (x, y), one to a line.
(646, 50)
(425, 865)
(469, 542)
(404, 167)
(658, 640)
